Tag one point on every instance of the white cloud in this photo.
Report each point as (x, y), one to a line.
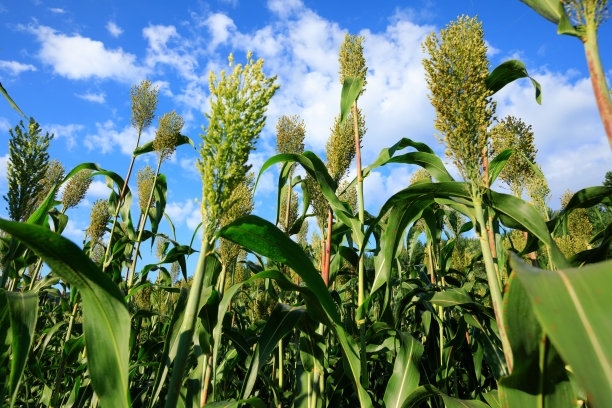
(167, 47)
(3, 169)
(491, 50)
(284, 8)
(16, 68)
(98, 189)
(187, 211)
(57, 10)
(568, 133)
(4, 125)
(74, 231)
(219, 25)
(78, 57)
(93, 97)
(68, 132)
(107, 137)
(113, 29)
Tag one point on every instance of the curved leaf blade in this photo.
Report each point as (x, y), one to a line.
(106, 319)
(22, 310)
(573, 306)
(508, 72)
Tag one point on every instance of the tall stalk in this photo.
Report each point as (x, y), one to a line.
(361, 284)
(492, 279)
(144, 103)
(598, 79)
(130, 275)
(187, 327)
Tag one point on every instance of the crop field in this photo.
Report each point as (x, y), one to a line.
(454, 294)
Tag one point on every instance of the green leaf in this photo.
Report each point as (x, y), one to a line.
(497, 164)
(452, 297)
(266, 239)
(156, 213)
(148, 147)
(281, 322)
(351, 88)
(510, 71)
(18, 312)
(573, 307)
(253, 401)
(170, 346)
(106, 320)
(431, 162)
(399, 218)
(553, 11)
(425, 392)
(405, 377)
(8, 98)
(538, 376)
(317, 170)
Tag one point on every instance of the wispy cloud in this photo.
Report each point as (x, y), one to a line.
(67, 132)
(57, 10)
(93, 97)
(16, 68)
(113, 29)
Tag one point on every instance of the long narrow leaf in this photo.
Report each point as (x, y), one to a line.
(573, 307)
(22, 311)
(106, 319)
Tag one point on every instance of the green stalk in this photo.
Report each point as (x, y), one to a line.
(325, 267)
(494, 287)
(187, 328)
(142, 225)
(598, 78)
(60, 371)
(361, 289)
(125, 183)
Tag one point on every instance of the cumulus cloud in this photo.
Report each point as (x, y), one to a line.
(57, 10)
(284, 8)
(77, 57)
(16, 68)
(107, 137)
(93, 97)
(568, 133)
(219, 25)
(113, 29)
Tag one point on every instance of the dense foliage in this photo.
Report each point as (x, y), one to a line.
(453, 295)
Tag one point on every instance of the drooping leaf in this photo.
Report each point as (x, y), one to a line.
(106, 320)
(10, 100)
(148, 147)
(553, 11)
(508, 72)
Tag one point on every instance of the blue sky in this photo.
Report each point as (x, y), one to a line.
(71, 65)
